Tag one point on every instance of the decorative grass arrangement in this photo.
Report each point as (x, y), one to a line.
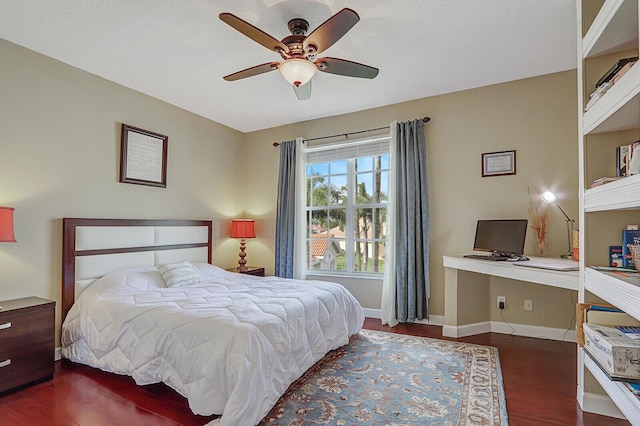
(538, 218)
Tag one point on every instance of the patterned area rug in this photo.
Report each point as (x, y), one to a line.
(391, 379)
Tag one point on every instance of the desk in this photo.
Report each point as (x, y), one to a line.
(461, 292)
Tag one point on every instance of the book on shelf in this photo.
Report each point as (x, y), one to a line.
(629, 236)
(622, 160)
(615, 256)
(615, 318)
(633, 167)
(634, 388)
(616, 69)
(631, 331)
(605, 179)
(625, 164)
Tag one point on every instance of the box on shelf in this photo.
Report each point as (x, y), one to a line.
(617, 353)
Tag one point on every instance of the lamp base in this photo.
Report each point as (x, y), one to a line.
(242, 262)
(566, 256)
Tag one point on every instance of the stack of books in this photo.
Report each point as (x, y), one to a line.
(626, 163)
(610, 78)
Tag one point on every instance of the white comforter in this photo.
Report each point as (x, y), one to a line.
(231, 344)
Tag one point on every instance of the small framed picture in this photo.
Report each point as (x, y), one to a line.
(499, 163)
(143, 157)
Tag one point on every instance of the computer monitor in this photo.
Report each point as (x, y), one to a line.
(502, 237)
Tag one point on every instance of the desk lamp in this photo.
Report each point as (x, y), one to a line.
(550, 197)
(242, 228)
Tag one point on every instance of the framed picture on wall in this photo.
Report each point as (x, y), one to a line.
(499, 163)
(143, 157)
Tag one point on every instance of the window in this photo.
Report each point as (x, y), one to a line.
(346, 207)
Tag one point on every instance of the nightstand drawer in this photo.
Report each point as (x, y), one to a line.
(25, 330)
(27, 366)
(27, 341)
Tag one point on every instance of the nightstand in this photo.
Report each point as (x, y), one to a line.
(251, 270)
(27, 346)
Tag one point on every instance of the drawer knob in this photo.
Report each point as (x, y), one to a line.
(5, 325)
(5, 362)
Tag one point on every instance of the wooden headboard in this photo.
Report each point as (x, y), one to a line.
(94, 247)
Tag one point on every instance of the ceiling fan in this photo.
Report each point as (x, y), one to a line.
(299, 51)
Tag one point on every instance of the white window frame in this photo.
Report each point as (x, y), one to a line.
(349, 151)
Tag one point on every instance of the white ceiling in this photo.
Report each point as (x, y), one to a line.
(178, 50)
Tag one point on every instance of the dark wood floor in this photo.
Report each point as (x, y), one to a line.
(539, 379)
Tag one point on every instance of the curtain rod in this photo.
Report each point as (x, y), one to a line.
(346, 135)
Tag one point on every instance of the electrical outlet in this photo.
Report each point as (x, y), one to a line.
(502, 300)
(528, 305)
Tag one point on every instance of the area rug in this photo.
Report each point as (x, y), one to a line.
(391, 379)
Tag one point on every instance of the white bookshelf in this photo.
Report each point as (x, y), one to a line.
(619, 195)
(613, 30)
(619, 108)
(623, 295)
(628, 404)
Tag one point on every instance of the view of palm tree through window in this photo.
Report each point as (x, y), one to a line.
(347, 213)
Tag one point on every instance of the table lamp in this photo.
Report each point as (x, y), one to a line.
(6, 225)
(550, 197)
(242, 228)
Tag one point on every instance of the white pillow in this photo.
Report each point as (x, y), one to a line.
(179, 274)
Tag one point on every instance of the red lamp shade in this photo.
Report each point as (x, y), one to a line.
(6, 225)
(242, 228)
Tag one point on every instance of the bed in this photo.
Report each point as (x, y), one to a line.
(230, 343)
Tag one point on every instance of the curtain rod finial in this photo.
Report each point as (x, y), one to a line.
(276, 144)
(426, 119)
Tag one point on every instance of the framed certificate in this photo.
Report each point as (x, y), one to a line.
(499, 163)
(143, 157)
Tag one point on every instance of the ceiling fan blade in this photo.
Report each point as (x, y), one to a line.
(253, 33)
(303, 92)
(331, 30)
(344, 67)
(250, 72)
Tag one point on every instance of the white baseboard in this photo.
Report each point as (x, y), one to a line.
(466, 330)
(539, 332)
(525, 330)
(372, 313)
(491, 327)
(58, 354)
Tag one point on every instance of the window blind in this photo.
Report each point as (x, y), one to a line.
(345, 150)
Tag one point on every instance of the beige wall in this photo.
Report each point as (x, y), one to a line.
(536, 117)
(59, 147)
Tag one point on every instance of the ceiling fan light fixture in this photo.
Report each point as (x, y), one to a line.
(297, 71)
